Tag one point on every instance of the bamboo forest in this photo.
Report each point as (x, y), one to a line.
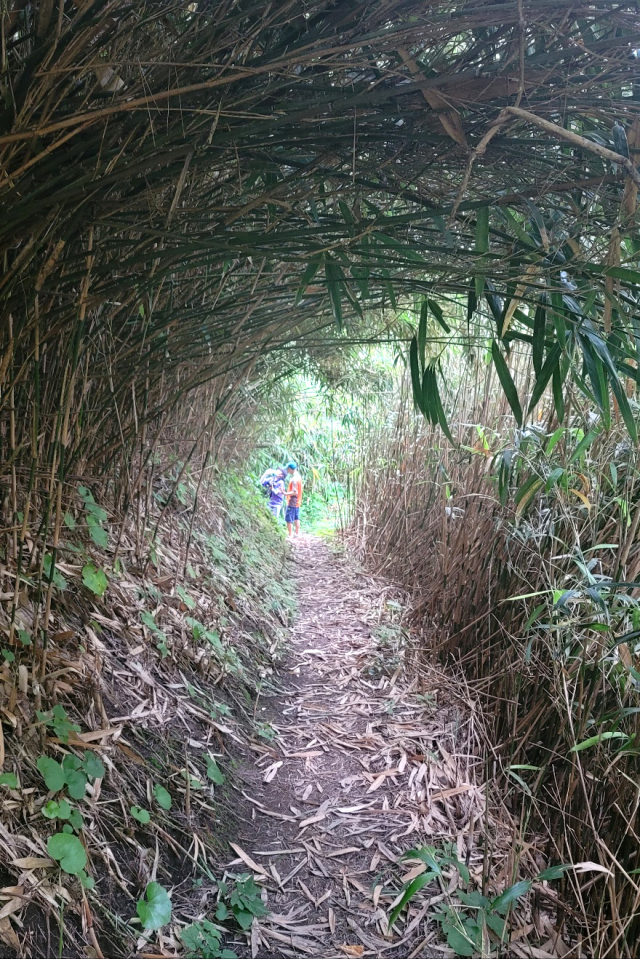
(319, 479)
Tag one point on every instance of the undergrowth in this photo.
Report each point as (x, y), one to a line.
(118, 778)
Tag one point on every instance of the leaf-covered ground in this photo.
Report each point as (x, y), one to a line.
(372, 755)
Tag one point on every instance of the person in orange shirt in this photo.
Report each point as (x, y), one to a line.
(294, 500)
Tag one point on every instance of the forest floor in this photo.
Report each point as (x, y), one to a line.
(369, 758)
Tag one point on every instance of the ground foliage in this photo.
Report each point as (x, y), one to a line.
(520, 547)
(186, 187)
(127, 779)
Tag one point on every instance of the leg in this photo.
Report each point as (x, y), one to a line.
(289, 531)
(297, 527)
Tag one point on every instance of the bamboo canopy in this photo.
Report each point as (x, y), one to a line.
(186, 185)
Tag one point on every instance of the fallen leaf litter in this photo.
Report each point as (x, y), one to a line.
(366, 762)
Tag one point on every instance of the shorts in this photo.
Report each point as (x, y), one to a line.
(292, 514)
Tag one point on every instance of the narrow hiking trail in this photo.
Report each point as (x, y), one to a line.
(364, 765)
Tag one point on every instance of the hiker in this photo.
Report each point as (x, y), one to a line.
(294, 500)
(267, 478)
(276, 499)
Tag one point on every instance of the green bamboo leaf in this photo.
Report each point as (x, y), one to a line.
(416, 379)
(422, 332)
(595, 740)
(545, 374)
(472, 302)
(428, 396)
(436, 309)
(525, 494)
(482, 230)
(440, 415)
(553, 872)
(558, 397)
(409, 892)
(584, 444)
(539, 332)
(512, 894)
(335, 278)
(506, 382)
(309, 273)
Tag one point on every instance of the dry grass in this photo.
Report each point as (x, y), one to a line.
(151, 705)
(429, 515)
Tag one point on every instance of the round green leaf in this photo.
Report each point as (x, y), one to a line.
(140, 814)
(93, 766)
(162, 797)
(76, 783)
(154, 911)
(87, 881)
(52, 773)
(68, 851)
(9, 779)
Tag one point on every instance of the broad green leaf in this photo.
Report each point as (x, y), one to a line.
(75, 818)
(162, 796)
(558, 396)
(457, 941)
(222, 912)
(93, 765)
(149, 621)
(87, 881)
(140, 814)
(512, 894)
(184, 596)
(439, 410)
(553, 478)
(68, 851)
(53, 574)
(213, 771)
(9, 779)
(76, 783)
(595, 740)
(532, 618)
(243, 917)
(94, 579)
(584, 444)
(57, 810)
(553, 872)
(52, 773)
(474, 899)
(409, 892)
(523, 785)
(506, 381)
(496, 924)
(154, 910)
(554, 439)
(97, 532)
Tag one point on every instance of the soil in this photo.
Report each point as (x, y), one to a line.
(343, 789)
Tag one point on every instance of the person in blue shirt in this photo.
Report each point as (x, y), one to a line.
(276, 499)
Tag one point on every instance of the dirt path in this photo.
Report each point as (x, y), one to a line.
(362, 768)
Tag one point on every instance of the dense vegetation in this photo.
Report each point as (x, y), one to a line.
(233, 233)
